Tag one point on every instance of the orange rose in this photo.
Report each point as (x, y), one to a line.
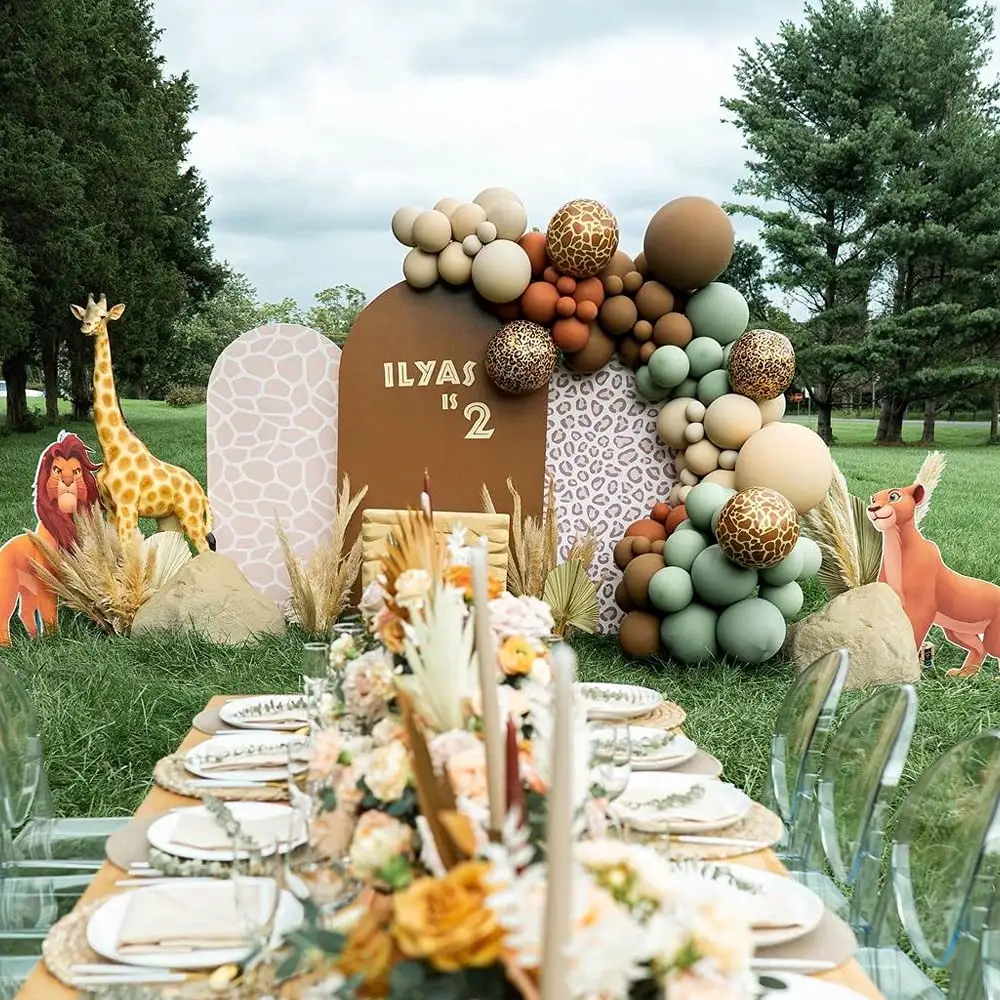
(460, 577)
(516, 656)
(446, 922)
(369, 950)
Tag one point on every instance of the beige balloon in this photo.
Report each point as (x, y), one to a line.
(772, 409)
(687, 478)
(486, 232)
(679, 463)
(402, 224)
(694, 432)
(682, 493)
(420, 269)
(672, 422)
(789, 459)
(490, 196)
(702, 457)
(454, 265)
(674, 499)
(432, 231)
(695, 410)
(447, 205)
(723, 477)
(727, 459)
(501, 271)
(731, 419)
(471, 245)
(510, 218)
(464, 220)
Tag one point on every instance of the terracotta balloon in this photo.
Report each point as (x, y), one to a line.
(565, 306)
(595, 354)
(539, 302)
(586, 311)
(647, 528)
(533, 244)
(570, 334)
(660, 512)
(589, 290)
(675, 517)
(688, 243)
(550, 274)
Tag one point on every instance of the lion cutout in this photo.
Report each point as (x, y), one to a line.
(965, 609)
(64, 485)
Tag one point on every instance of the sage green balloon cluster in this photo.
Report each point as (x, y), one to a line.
(713, 607)
(718, 315)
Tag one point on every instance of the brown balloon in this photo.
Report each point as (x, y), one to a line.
(673, 329)
(628, 348)
(633, 282)
(642, 331)
(595, 354)
(641, 545)
(641, 264)
(646, 351)
(688, 243)
(659, 545)
(618, 315)
(619, 265)
(639, 572)
(613, 285)
(639, 634)
(653, 301)
(622, 599)
(623, 552)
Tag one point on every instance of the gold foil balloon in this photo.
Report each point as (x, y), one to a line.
(521, 357)
(761, 365)
(757, 528)
(581, 238)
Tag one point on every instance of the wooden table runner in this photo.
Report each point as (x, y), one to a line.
(43, 986)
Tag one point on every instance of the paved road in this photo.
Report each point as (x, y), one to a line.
(980, 424)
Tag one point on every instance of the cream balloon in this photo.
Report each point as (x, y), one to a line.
(702, 457)
(674, 498)
(464, 220)
(722, 477)
(402, 224)
(679, 463)
(490, 196)
(731, 419)
(727, 459)
(695, 410)
(501, 271)
(486, 232)
(471, 245)
(454, 265)
(682, 493)
(694, 432)
(420, 269)
(510, 218)
(447, 205)
(672, 422)
(687, 478)
(772, 409)
(432, 231)
(789, 459)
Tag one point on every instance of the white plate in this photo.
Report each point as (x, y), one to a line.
(245, 713)
(727, 803)
(160, 832)
(673, 753)
(104, 927)
(618, 701)
(778, 893)
(194, 759)
(791, 987)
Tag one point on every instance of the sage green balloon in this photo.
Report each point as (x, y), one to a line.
(789, 569)
(718, 311)
(719, 581)
(668, 366)
(703, 501)
(647, 388)
(689, 635)
(685, 525)
(704, 356)
(713, 385)
(683, 547)
(751, 631)
(688, 389)
(812, 557)
(786, 598)
(670, 590)
(726, 351)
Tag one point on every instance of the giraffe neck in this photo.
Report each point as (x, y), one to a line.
(111, 429)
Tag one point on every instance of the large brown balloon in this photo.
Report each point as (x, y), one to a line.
(618, 315)
(621, 597)
(688, 243)
(639, 634)
(596, 353)
(639, 572)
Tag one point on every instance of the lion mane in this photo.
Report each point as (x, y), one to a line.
(62, 526)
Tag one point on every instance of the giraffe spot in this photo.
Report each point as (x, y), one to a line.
(128, 495)
(107, 399)
(188, 487)
(175, 481)
(142, 460)
(131, 476)
(134, 446)
(166, 492)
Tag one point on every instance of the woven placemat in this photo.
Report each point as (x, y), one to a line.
(759, 828)
(667, 715)
(66, 944)
(209, 721)
(171, 774)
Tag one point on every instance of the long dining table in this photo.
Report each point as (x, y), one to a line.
(42, 985)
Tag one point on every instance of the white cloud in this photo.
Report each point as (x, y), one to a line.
(318, 120)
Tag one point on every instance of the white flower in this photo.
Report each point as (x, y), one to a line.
(527, 617)
(378, 838)
(412, 588)
(543, 724)
(653, 875)
(458, 550)
(388, 730)
(340, 650)
(369, 685)
(387, 771)
(449, 744)
(541, 671)
(373, 599)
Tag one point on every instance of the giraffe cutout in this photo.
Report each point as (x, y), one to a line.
(134, 483)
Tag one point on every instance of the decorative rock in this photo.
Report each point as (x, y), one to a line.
(871, 624)
(211, 597)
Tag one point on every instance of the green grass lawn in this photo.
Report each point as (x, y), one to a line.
(111, 707)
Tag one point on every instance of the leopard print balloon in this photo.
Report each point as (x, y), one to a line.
(521, 357)
(757, 528)
(581, 238)
(761, 365)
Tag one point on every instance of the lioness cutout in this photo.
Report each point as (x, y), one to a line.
(967, 610)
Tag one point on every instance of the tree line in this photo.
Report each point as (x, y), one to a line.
(874, 172)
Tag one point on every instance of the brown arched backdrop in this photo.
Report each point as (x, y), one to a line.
(414, 395)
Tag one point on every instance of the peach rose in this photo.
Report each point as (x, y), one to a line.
(369, 950)
(466, 772)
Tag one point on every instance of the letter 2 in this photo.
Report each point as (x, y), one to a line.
(479, 414)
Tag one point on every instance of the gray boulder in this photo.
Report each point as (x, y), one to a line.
(871, 624)
(211, 596)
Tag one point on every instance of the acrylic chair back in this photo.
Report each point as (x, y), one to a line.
(799, 738)
(860, 774)
(22, 775)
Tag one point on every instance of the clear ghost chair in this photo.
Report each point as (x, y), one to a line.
(860, 774)
(45, 862)
(943, 868)
(14, 970)
(798, 740)
(990, 951)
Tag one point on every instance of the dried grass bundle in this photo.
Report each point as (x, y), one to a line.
(106, 580)
(929, 476)
(321, 587)
(534, 543)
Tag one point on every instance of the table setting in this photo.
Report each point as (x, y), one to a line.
(447, 751)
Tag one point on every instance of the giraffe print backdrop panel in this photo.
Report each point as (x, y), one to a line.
(272, 448)
(609, 464)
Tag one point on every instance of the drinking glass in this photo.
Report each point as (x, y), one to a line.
(610, 763)
(258, 878)
(316, 683)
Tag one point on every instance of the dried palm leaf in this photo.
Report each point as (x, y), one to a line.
(831, 525)
(929, 476)
(869, 543)
(583, 549)
(172, 555)
(321, 587)
(572, 596)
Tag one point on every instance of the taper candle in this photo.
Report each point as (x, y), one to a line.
(559, 830)
(493, 735)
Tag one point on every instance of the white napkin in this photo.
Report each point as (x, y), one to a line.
(202, 831)
(707, 808)
(290, 714)
(196, 916)
(773, 911)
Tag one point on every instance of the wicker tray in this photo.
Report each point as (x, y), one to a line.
(171, 774)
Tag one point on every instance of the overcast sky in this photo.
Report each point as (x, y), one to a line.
(318, 119)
